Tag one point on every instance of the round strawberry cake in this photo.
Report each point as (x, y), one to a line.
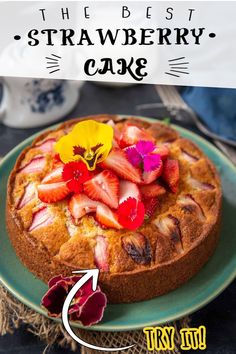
(122, 194)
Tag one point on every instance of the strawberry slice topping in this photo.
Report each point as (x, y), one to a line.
(170, 227)
(162, 150)
(189, 205)
(56, 161)
(188, 157)
(118, 163)
(28, 195)
(152, 190)
(80, 205)
(107, 217)
(101, 254)
(149, 177)
(128, 189)
(131, 213)
(138, 247)
(52, 192)
(150, 205)
(46, 146)
(117, 134)
(41, 218)
(104, 187)
(36, 165)
(132, 134)
(199, 185)
(54, 176)
(171, 174)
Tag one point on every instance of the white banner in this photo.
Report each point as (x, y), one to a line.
(163, 42)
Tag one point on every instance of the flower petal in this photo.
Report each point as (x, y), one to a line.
(145, 147)
(87, 306)
(131, 213)
(54, 280)
(89, 141)
(151, 162)
(133, 156)
(75, 173)
(92, 310)
(54, 298)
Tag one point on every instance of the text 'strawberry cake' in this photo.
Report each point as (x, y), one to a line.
(129, 197)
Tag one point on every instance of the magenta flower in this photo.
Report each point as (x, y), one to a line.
(87, 306)
(142, 154)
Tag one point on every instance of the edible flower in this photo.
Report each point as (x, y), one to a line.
(142, 155)
(75, 174)
(89, 141)
(131, 213)
(87, 306)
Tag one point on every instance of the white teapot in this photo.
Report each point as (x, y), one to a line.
(28, 103)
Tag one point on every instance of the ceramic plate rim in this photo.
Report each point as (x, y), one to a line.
(104, 327)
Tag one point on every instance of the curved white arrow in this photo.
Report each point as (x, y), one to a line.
(89, 273)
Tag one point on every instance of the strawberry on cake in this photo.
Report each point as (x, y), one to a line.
(129, 197)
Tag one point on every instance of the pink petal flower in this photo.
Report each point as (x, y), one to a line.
(145, 147)
(151, 162)
(133, 156)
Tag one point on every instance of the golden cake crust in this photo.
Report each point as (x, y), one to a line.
(177, 251)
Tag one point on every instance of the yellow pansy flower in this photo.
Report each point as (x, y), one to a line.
(89, 141)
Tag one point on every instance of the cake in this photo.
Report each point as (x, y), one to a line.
(147, 213)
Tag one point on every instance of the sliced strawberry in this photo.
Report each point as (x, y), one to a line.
(199, 185)
(162, 150)
(54, 176)
(150, 205)
(116, 133)
(152, 190)
(107, 217)
(103, 187)
(41, 218)
(188, 157)
(101, 253)
(117, 162)
(52, 192)
(171, 174)
(170, 227)
(36, 165)
(138, 247)
(46, 145)
(128, 189)
(132, 134)
(81, 205)
(56, 161)
(28, 195)
(149, 177)
(70, 223)
(189, 205)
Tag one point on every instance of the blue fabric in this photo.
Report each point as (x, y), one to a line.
(216, 107)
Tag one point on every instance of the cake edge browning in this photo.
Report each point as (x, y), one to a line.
(119, 287)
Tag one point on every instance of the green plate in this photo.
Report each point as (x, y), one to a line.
(215, 276)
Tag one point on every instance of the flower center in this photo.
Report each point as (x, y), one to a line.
(77, 174)
(88, 155)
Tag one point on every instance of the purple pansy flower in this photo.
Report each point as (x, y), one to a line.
(87, 306)
(142, 154)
